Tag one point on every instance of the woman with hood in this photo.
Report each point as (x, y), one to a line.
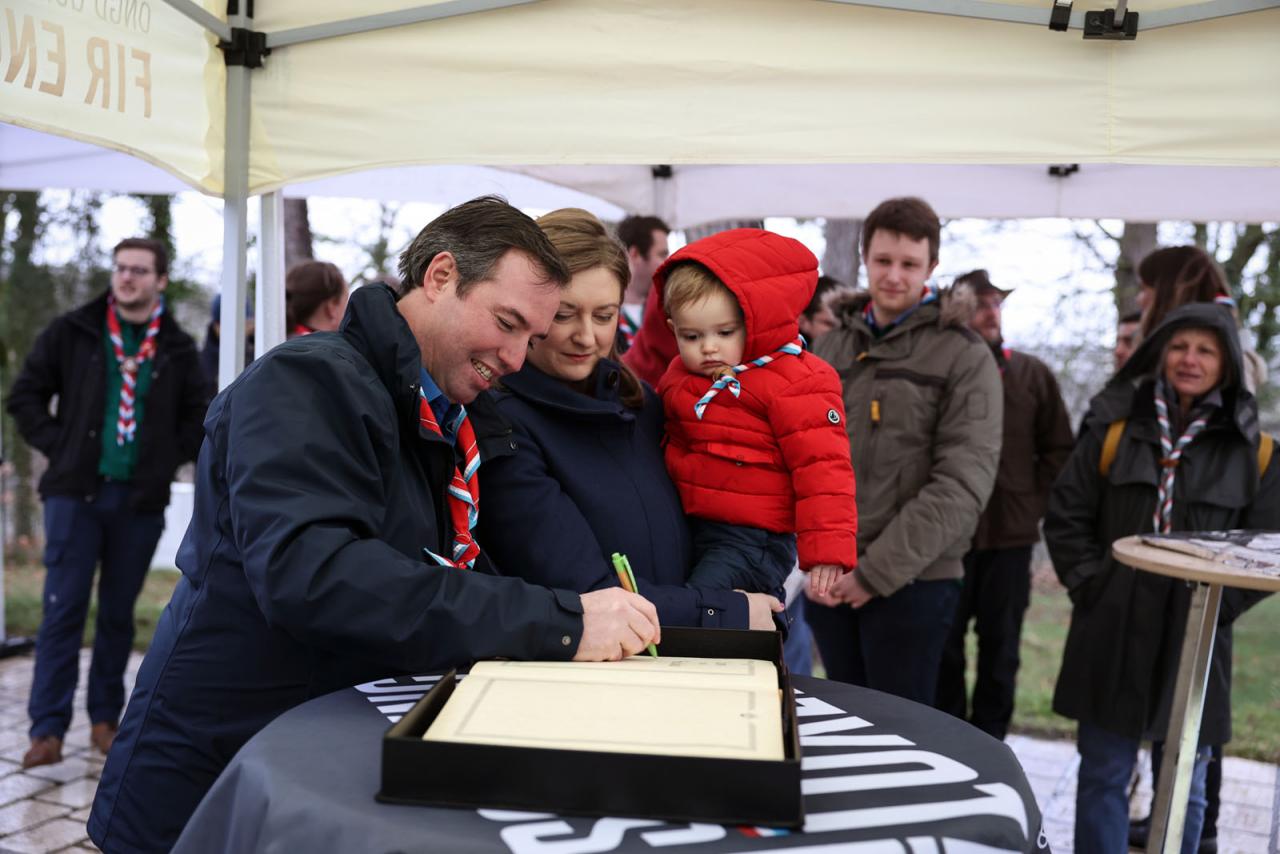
(1186, 460)
(585, 477)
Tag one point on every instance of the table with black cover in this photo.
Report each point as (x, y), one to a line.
(880, 774)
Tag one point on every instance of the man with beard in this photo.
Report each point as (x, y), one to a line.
(997, 570)
(131, 398)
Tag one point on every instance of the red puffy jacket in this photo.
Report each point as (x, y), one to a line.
(777, 456)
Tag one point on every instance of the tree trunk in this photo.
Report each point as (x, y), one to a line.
(297, 232)
(22, 294)
(842, 256)
(160, 211)
(1138, 240)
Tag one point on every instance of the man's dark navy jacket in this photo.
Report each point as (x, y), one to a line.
(303, 569)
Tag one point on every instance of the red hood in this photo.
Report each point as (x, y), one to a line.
(772, 276)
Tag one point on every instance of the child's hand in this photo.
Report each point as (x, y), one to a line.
(821, 578)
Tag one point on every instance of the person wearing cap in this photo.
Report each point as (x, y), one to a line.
(213, 337)
(130, 402)
(997, 570)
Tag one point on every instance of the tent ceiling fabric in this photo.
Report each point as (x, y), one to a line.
(696, 194)
(763, 81)
(811, 98)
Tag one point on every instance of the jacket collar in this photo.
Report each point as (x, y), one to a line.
(533, 385)
(91, 316)
(377, 330)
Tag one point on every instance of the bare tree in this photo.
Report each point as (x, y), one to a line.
(841, 257)
(297, 232)
(1136, 242)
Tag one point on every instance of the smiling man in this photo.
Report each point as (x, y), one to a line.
(331, 539)
(923, 410)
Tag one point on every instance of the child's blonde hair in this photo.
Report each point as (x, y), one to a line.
(689, 283)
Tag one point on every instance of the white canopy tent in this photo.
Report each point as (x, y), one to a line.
(800, 85)
(691, 195)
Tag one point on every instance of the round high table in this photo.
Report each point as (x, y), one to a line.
(1174, 787)
(880, 774)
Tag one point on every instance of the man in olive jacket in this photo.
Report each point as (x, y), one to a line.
(923, 409)
(318, 555)
(997, 570)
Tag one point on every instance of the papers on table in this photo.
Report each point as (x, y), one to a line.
(724, 708)
(1257, 551)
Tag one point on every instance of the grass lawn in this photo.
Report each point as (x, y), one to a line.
(23, 586)
(1255, 695)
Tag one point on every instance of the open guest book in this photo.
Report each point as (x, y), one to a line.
(1258, 551)
(726, 708)
(705, 733)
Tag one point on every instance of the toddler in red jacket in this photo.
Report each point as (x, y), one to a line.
(756, 443)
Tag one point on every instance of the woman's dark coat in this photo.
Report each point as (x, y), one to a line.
(1127, 625)
(587, 479)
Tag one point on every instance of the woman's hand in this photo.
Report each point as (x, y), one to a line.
(760, 609)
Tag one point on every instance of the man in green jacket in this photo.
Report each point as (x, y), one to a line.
(924, 413)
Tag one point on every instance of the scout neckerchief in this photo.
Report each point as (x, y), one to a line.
(126, 423)
(1171, 453)
(927, 295)
(464, 488)
(730, 378)
(1003, 355)
(628, 327)
(300, 329)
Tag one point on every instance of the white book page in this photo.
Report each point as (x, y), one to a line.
(725, 708)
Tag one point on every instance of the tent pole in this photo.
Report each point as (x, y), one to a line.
(234, 220)
(385, 20)
(269, 326)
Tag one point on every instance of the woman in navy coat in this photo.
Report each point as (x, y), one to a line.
(587, 478)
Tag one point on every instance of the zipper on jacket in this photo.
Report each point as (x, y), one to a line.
(875, 413)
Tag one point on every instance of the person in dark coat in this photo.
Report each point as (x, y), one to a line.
(130, 400)
(997, 569)
(1181, 398)
(213, 340)
(587, 478)
(326, 547)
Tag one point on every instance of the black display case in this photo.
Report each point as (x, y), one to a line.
(577, 782)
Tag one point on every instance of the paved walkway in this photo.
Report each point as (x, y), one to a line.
(45, 809)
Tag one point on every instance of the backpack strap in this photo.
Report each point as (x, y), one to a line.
(1266, 447)
(1109, 445)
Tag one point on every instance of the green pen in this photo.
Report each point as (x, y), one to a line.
(627, 578)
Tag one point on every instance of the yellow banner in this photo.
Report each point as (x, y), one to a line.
(132, 75)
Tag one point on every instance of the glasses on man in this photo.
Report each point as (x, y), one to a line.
(122, 269)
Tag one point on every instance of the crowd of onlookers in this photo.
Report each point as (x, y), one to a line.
(866, 470)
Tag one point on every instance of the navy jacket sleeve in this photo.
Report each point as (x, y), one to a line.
(40, 379)
(306, 499)
(533, 529)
